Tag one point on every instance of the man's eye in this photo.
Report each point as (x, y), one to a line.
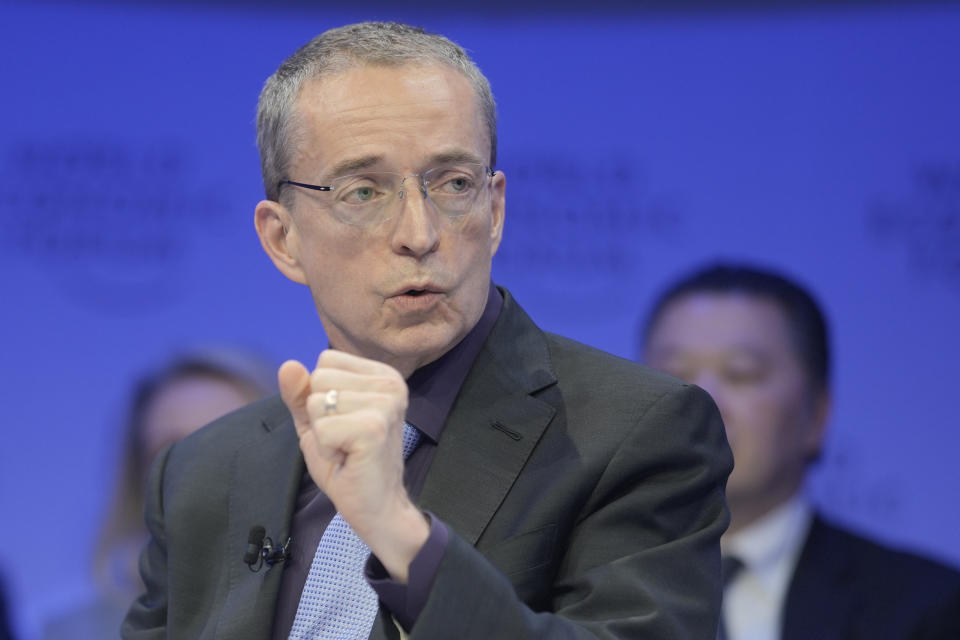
(676, 370)
(454, 185)
(360, 195)
(743, 376)
(459, 184)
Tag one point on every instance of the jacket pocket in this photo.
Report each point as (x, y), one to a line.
(524, 552)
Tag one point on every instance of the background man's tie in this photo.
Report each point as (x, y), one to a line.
(337, 603)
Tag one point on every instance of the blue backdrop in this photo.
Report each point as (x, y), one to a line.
(824, 142)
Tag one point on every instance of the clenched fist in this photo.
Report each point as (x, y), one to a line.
(349, 415)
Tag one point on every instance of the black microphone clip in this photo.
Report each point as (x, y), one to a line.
(261, 550)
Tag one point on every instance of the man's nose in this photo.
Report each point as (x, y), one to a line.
(418, 183)
(415, 231)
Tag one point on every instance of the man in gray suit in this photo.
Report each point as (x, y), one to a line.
(452, 469)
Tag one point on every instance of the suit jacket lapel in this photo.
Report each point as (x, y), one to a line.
(490, 432)
(493, 426)
(820, 597)
(265, 479)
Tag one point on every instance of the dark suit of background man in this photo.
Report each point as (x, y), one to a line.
(758, 343)
(556, 491)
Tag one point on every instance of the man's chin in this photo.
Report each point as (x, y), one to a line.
(420, 345)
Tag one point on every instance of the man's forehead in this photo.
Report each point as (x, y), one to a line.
(723, 319)
(357, 117)
(712, 305)
(379, 84)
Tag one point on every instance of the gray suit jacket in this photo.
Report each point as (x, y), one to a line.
(584, 493)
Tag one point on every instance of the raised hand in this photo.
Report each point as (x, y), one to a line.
(349, 415)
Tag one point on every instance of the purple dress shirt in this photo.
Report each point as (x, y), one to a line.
(433, 389)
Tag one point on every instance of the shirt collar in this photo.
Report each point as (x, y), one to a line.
(772, 543)
(434, 386)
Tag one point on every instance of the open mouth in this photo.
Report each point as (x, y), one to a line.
(417, 299)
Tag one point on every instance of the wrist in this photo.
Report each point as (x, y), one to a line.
(398, 539)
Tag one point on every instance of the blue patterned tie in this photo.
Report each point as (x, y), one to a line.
(337, 603)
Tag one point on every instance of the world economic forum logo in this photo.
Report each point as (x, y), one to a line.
(926, 223)
(109, 222)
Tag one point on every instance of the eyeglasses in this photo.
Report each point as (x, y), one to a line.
(369, 198)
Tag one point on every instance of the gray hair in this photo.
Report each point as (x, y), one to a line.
(388, 44)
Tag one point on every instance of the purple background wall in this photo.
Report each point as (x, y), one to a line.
(824, 142)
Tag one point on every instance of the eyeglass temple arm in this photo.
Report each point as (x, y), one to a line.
(304, 185)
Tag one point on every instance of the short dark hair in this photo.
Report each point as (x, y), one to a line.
(807, 323)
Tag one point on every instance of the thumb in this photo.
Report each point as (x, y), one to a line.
(294, 382)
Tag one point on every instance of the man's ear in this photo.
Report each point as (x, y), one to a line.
(498, 211)
(278, 236)
(819, 419)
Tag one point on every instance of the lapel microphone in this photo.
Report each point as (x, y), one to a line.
(261, 550)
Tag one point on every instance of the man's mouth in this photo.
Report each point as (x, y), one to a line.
(416, 300)
(418, 290)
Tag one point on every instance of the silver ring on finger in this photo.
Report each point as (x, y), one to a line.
(330, 402)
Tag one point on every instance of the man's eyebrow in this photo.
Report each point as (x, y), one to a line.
(457, 155)
(662, 351)
(350, 165)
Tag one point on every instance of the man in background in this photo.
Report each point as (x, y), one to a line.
(447, 469)
(759, 344)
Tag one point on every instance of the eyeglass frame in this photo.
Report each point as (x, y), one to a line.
(488, 172)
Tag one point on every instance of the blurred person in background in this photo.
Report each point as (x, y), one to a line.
(759, 344)
(5, 633)
(168, 404)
